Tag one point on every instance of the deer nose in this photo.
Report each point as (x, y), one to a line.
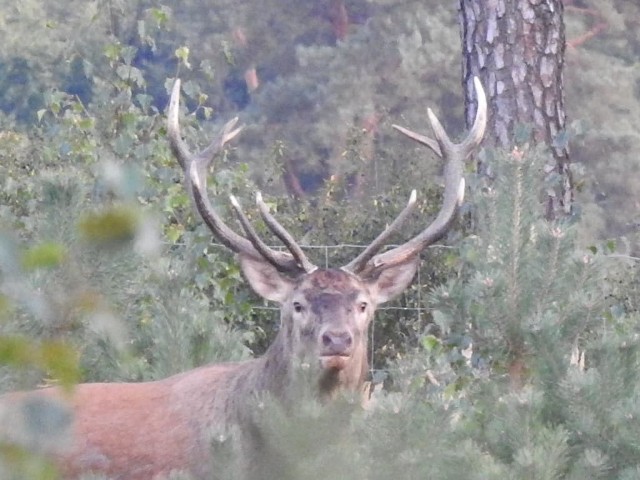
(336, 342)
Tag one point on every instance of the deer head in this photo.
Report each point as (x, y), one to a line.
(325, 313)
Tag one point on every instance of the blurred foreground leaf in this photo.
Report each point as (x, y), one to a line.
(54, 357)
(117, 224)
(43, 256)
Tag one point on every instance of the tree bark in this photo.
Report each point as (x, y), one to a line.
(516, 48)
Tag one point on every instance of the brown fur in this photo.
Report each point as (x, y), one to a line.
(142, 431)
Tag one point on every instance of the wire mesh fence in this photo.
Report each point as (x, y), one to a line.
(326, 253)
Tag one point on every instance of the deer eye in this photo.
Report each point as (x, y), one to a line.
(362, 307)
(297, 307)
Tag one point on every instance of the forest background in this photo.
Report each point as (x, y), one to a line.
(106, 274)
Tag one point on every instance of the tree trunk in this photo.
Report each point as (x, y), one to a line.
(516, 47)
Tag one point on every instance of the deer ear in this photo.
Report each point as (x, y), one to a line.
(392, 281)
(265, 279)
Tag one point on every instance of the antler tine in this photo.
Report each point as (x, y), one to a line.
(179, 147)
(474, 138)
(195, 170)
(358, 263)
(454, 156)
(263, 249)
(424, 140)
(284, 236)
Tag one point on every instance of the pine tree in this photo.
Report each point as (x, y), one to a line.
(545, 376)
(527, 372)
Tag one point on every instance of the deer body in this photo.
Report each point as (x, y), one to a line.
(141, 431)
(147, 430)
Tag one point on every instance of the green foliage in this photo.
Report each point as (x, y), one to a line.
(19, 464)
(527, 285)
(116, 224)
(56, 358)
(44, 255)
(538, 358)
(530, 374)
(91, 288)
(106, 274)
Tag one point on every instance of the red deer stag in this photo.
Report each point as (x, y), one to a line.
(147, 430)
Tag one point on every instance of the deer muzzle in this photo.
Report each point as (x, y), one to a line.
(336, 347)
